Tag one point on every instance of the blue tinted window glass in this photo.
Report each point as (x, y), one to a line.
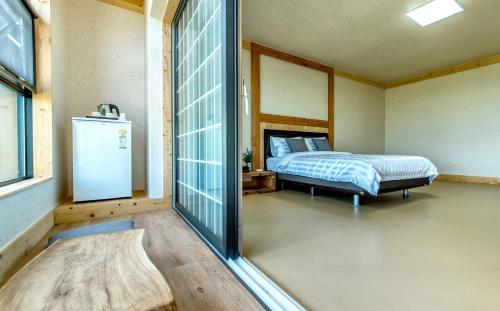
(16, 39)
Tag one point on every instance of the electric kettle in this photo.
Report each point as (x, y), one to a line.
(106, 110)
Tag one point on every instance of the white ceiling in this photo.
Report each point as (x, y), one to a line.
(373, 38)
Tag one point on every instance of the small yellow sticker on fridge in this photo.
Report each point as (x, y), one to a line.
(122, 139)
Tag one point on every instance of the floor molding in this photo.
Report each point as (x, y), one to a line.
(13, 252)
(68, 212)
(265, 289)
(470, 179)
(350, 76)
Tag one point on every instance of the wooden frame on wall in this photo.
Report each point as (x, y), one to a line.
(258, 117)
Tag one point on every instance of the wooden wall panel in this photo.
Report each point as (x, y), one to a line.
(69, 212)
(331, 108)
(42, 99)
(255, 67)
(17, 249)
(272, 118)
(470, 179)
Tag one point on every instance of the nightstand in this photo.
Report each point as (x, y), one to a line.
(259, 182)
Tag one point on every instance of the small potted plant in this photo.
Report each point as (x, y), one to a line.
(248, 159)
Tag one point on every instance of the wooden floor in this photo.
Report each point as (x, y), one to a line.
(198, 279)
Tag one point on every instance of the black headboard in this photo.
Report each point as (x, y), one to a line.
(286, 134)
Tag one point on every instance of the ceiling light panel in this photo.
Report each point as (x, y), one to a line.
(434, 11)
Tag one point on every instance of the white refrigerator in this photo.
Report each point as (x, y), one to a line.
(102, 159)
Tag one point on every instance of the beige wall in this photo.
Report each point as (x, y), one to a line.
(359, 117)
(105, 56)
(452, 120)
(292, 90)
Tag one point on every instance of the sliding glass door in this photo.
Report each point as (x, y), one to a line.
(205, 120)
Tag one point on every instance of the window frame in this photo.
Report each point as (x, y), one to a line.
(24, 90)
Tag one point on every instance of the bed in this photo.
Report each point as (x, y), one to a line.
(359, 175)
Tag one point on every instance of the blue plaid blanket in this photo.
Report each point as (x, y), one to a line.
(365, 171)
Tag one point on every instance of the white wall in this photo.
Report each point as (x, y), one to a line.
(105, 54)
(453, 120)
(154, 101)
(21, 210)
(359, 125)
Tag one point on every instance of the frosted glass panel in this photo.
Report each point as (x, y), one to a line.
(16, 39)
(199, 113)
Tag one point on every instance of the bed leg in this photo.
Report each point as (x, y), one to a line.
(406, 194)
(311, 191)
(355, 201)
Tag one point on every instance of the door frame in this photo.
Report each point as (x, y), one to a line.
(228, 248)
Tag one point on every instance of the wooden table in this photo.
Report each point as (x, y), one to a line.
(97, 272)
(260, 182)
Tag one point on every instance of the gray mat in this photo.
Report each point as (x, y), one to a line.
(105, 227)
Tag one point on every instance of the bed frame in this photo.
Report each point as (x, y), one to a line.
(345, 187)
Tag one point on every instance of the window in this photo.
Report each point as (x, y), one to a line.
(17, 80)
(17, 55)
(15, 147)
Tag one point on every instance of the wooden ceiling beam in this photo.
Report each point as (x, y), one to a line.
(136, 6)
(170, 11)
(478, 63)
(246, 45)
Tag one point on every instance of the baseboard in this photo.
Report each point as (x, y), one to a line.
(13, 252)
(69, 212)
(470, 179)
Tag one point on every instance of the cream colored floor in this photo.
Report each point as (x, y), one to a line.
(440, 250)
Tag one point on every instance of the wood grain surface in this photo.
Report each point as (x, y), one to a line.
(97, 272)
(197, 278)
(68, 212)
(259, 182)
